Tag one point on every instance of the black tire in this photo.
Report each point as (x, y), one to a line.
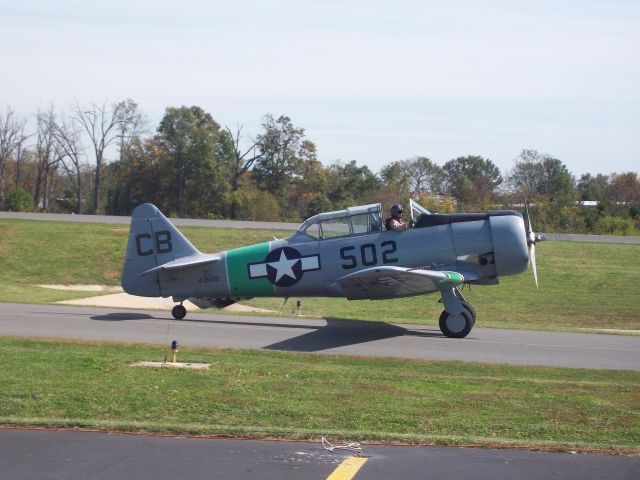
(179, 312)
(460, 329)
(467, 306)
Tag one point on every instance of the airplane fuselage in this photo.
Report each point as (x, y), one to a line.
(479, 246)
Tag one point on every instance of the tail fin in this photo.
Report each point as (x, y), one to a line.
(153, 241)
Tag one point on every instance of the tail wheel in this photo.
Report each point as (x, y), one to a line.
(179, 312)
(456, 326)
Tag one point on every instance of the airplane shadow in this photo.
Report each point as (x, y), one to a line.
(121, 316)
(338, 332)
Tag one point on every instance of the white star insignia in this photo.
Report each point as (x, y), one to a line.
(284, 266)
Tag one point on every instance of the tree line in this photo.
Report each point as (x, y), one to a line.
(105, 158)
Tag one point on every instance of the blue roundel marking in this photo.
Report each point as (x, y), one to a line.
(284, 267)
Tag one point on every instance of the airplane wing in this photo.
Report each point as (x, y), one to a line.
(184, 262)
(391, 282)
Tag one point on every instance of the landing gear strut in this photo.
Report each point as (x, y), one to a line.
(179, 312)
(458, 317)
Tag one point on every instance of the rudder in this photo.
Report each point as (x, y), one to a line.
(153, 241)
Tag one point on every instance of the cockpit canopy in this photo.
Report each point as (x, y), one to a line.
(352, 221)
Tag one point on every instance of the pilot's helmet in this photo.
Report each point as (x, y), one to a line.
(396, 210)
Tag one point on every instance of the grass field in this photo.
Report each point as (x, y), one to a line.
(281, 394)
(582, 285)
(278, 394)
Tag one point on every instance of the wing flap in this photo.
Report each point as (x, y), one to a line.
(391, 282)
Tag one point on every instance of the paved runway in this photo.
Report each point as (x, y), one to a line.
(121, 220)
(33, 455)
(346, 337)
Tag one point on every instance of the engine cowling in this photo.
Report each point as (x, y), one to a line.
(509, 242)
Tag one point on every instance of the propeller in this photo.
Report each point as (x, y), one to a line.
(532, 238)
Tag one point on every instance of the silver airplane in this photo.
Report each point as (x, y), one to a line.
(346, 253)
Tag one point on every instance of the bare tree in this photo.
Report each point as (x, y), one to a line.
(132, 124)
(242, 162)
(21, 152)
(11, 140)
(101, 124)
(48, 154)
(67, 136)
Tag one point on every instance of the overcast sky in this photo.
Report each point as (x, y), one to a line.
(372, 81)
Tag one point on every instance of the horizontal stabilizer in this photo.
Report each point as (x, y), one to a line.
(184, 262)
(390, 282)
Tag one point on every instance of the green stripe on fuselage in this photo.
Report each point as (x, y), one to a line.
(238, 261)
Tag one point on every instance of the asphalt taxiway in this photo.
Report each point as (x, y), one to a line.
(332, 336)
(41, 454)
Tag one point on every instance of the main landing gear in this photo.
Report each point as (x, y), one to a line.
(458, 317)
(179, 312)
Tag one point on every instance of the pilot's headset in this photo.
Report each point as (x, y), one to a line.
(396, 210)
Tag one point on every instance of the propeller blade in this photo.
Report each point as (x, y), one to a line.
(529, 228)
(532, 258)
(531, 242)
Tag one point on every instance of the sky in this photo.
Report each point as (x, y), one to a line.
(372, 81)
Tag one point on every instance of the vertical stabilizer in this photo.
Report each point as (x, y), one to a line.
(153, 241)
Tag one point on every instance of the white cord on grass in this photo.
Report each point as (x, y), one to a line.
(352, 446)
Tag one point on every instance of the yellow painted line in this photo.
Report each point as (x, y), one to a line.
(348, 468)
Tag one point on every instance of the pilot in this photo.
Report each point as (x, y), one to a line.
(395, 221)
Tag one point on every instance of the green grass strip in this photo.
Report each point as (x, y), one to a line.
(302, 396)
